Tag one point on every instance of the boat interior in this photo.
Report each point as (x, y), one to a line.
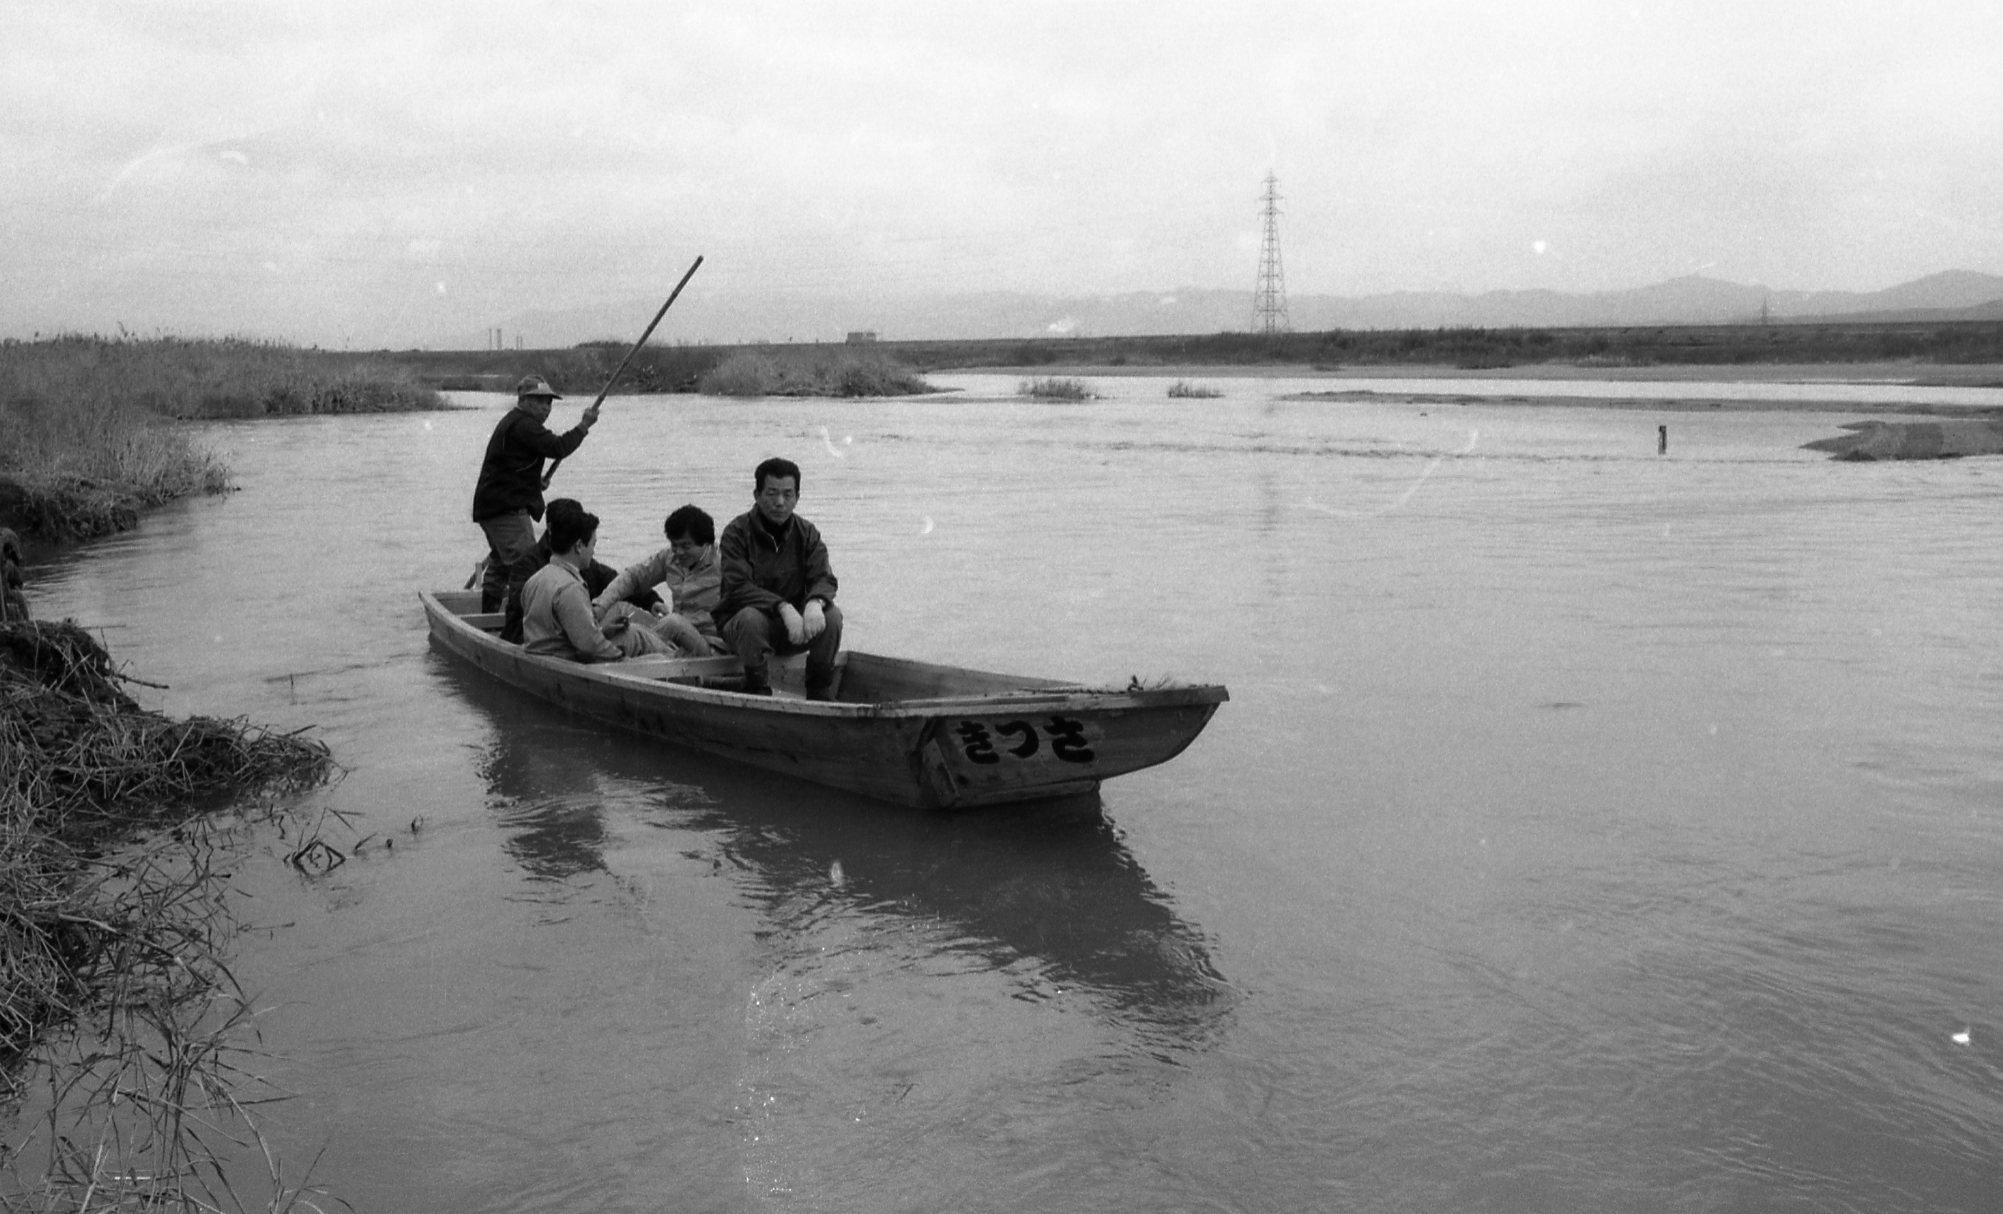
(860, 678)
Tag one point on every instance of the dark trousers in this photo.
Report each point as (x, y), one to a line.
(511, 562)
(755, 635)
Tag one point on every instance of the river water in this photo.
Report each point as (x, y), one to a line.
(1590, 829)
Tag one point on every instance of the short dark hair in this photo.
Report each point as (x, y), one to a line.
(693, 522)
(558, 507)
(567, 528)
(775, 467)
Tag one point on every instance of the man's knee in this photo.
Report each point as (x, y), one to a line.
(748, 624)
(822, 649)
(683, 636)
(747, 618)
(831, 636)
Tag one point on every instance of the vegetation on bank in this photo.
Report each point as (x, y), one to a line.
(117, 1009)
(1182, 389)
(769, 371)
(1054, 388)
(87, 433)
(682, 368)
(1959, 342)
(832, 369)
(580, 370)
(206, 378)
(89, 468)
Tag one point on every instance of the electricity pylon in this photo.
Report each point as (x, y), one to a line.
(1269, 301)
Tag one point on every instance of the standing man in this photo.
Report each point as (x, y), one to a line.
(778, 590)
(508, 498)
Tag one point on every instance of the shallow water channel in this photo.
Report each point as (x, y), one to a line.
(1589, 829)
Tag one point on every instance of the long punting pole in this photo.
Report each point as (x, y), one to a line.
(616, 371)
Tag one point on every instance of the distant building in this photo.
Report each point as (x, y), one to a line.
(860, 336)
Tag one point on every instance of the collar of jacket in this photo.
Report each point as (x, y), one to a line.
(761, 528)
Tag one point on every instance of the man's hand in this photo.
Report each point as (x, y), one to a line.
(589, 417)
(796, 628)
(815, 622)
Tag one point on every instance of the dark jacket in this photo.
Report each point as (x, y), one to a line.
(761, 570)
(511, 473)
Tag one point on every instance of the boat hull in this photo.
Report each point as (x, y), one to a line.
(912, 733)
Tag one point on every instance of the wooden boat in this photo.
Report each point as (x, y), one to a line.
(914, 733)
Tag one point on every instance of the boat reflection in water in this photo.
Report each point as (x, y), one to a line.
(1046, 894)
(1043, 893)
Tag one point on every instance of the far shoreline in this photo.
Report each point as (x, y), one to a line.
(1352, 383)
(1929, 375)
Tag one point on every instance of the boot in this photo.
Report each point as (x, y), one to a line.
(511, 625)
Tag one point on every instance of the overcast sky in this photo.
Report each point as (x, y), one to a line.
(362, 172)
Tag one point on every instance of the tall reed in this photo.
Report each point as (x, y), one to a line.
(206, 378)
(87, 468)
(87, 438)
(766, 372)
(123, 1035)
(1054, 388)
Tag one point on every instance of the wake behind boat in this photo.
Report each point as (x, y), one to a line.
(913, 733)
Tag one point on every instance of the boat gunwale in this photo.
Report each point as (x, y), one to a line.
(1062, 698)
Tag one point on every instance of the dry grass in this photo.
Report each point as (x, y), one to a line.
(1054, 388)
(1182, 389)
(203, 378)
(90, 468)
(820, 373)
(121, 1027)
(87, 433)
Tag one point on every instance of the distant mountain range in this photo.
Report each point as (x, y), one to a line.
(1954, 295)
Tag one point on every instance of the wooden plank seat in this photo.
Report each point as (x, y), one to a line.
(676, 670)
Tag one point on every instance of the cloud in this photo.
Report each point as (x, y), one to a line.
(587, 150)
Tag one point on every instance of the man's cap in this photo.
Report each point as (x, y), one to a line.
(536, 385)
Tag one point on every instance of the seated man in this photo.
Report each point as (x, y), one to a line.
(556, 609)
(778, 591)
(597, 576)
(686, 570)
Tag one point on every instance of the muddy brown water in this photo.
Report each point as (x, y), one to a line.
(1589, 829)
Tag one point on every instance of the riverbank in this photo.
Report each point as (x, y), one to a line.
(118, 1011)
(117, 1006)
(1481, 350)
(1955, 375)
(743, 371)
(838, 372)
(89, 426)
(1661, 404)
